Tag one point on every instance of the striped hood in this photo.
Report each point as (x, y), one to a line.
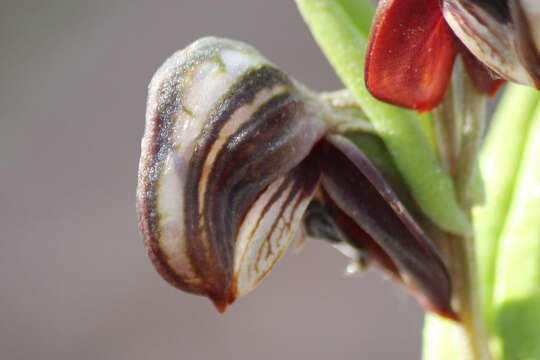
(233, 153)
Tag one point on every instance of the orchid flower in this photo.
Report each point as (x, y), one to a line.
(234, 153)
(414, 43)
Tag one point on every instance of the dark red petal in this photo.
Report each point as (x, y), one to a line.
(485, 80)
(357, 188)
(410, 54)
(358, 238)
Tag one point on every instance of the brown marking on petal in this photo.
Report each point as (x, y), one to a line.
(160, 127)
(497, 8)
(270, 142)
(278, 212)
(237, 119)
(211, 252)
(302, 180)
(256, 155)
(277, 195)
(164, 106)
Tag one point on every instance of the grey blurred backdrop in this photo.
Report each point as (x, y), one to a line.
(75, 282)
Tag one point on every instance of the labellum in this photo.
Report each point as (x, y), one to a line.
(233, 153)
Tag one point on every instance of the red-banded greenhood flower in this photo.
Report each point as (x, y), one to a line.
(233, 153)
(413, 45)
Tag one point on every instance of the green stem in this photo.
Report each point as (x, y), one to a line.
(467, 340)
(459, 251)
(474, 123)
(464, 272)
(463, 257)
(447, 130)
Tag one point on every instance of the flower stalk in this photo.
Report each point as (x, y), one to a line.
(447, 130)
(460, 123)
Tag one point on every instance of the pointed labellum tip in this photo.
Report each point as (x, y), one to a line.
(220, 305)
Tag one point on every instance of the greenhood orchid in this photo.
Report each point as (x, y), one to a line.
(414, 43)
(234, 152)
(238, 159)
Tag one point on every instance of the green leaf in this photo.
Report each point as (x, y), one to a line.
(499, 162)
(516, 299)
(342, 37)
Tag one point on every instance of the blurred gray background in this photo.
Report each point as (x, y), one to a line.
(75, 282)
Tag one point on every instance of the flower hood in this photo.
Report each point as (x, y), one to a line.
(233, 153)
